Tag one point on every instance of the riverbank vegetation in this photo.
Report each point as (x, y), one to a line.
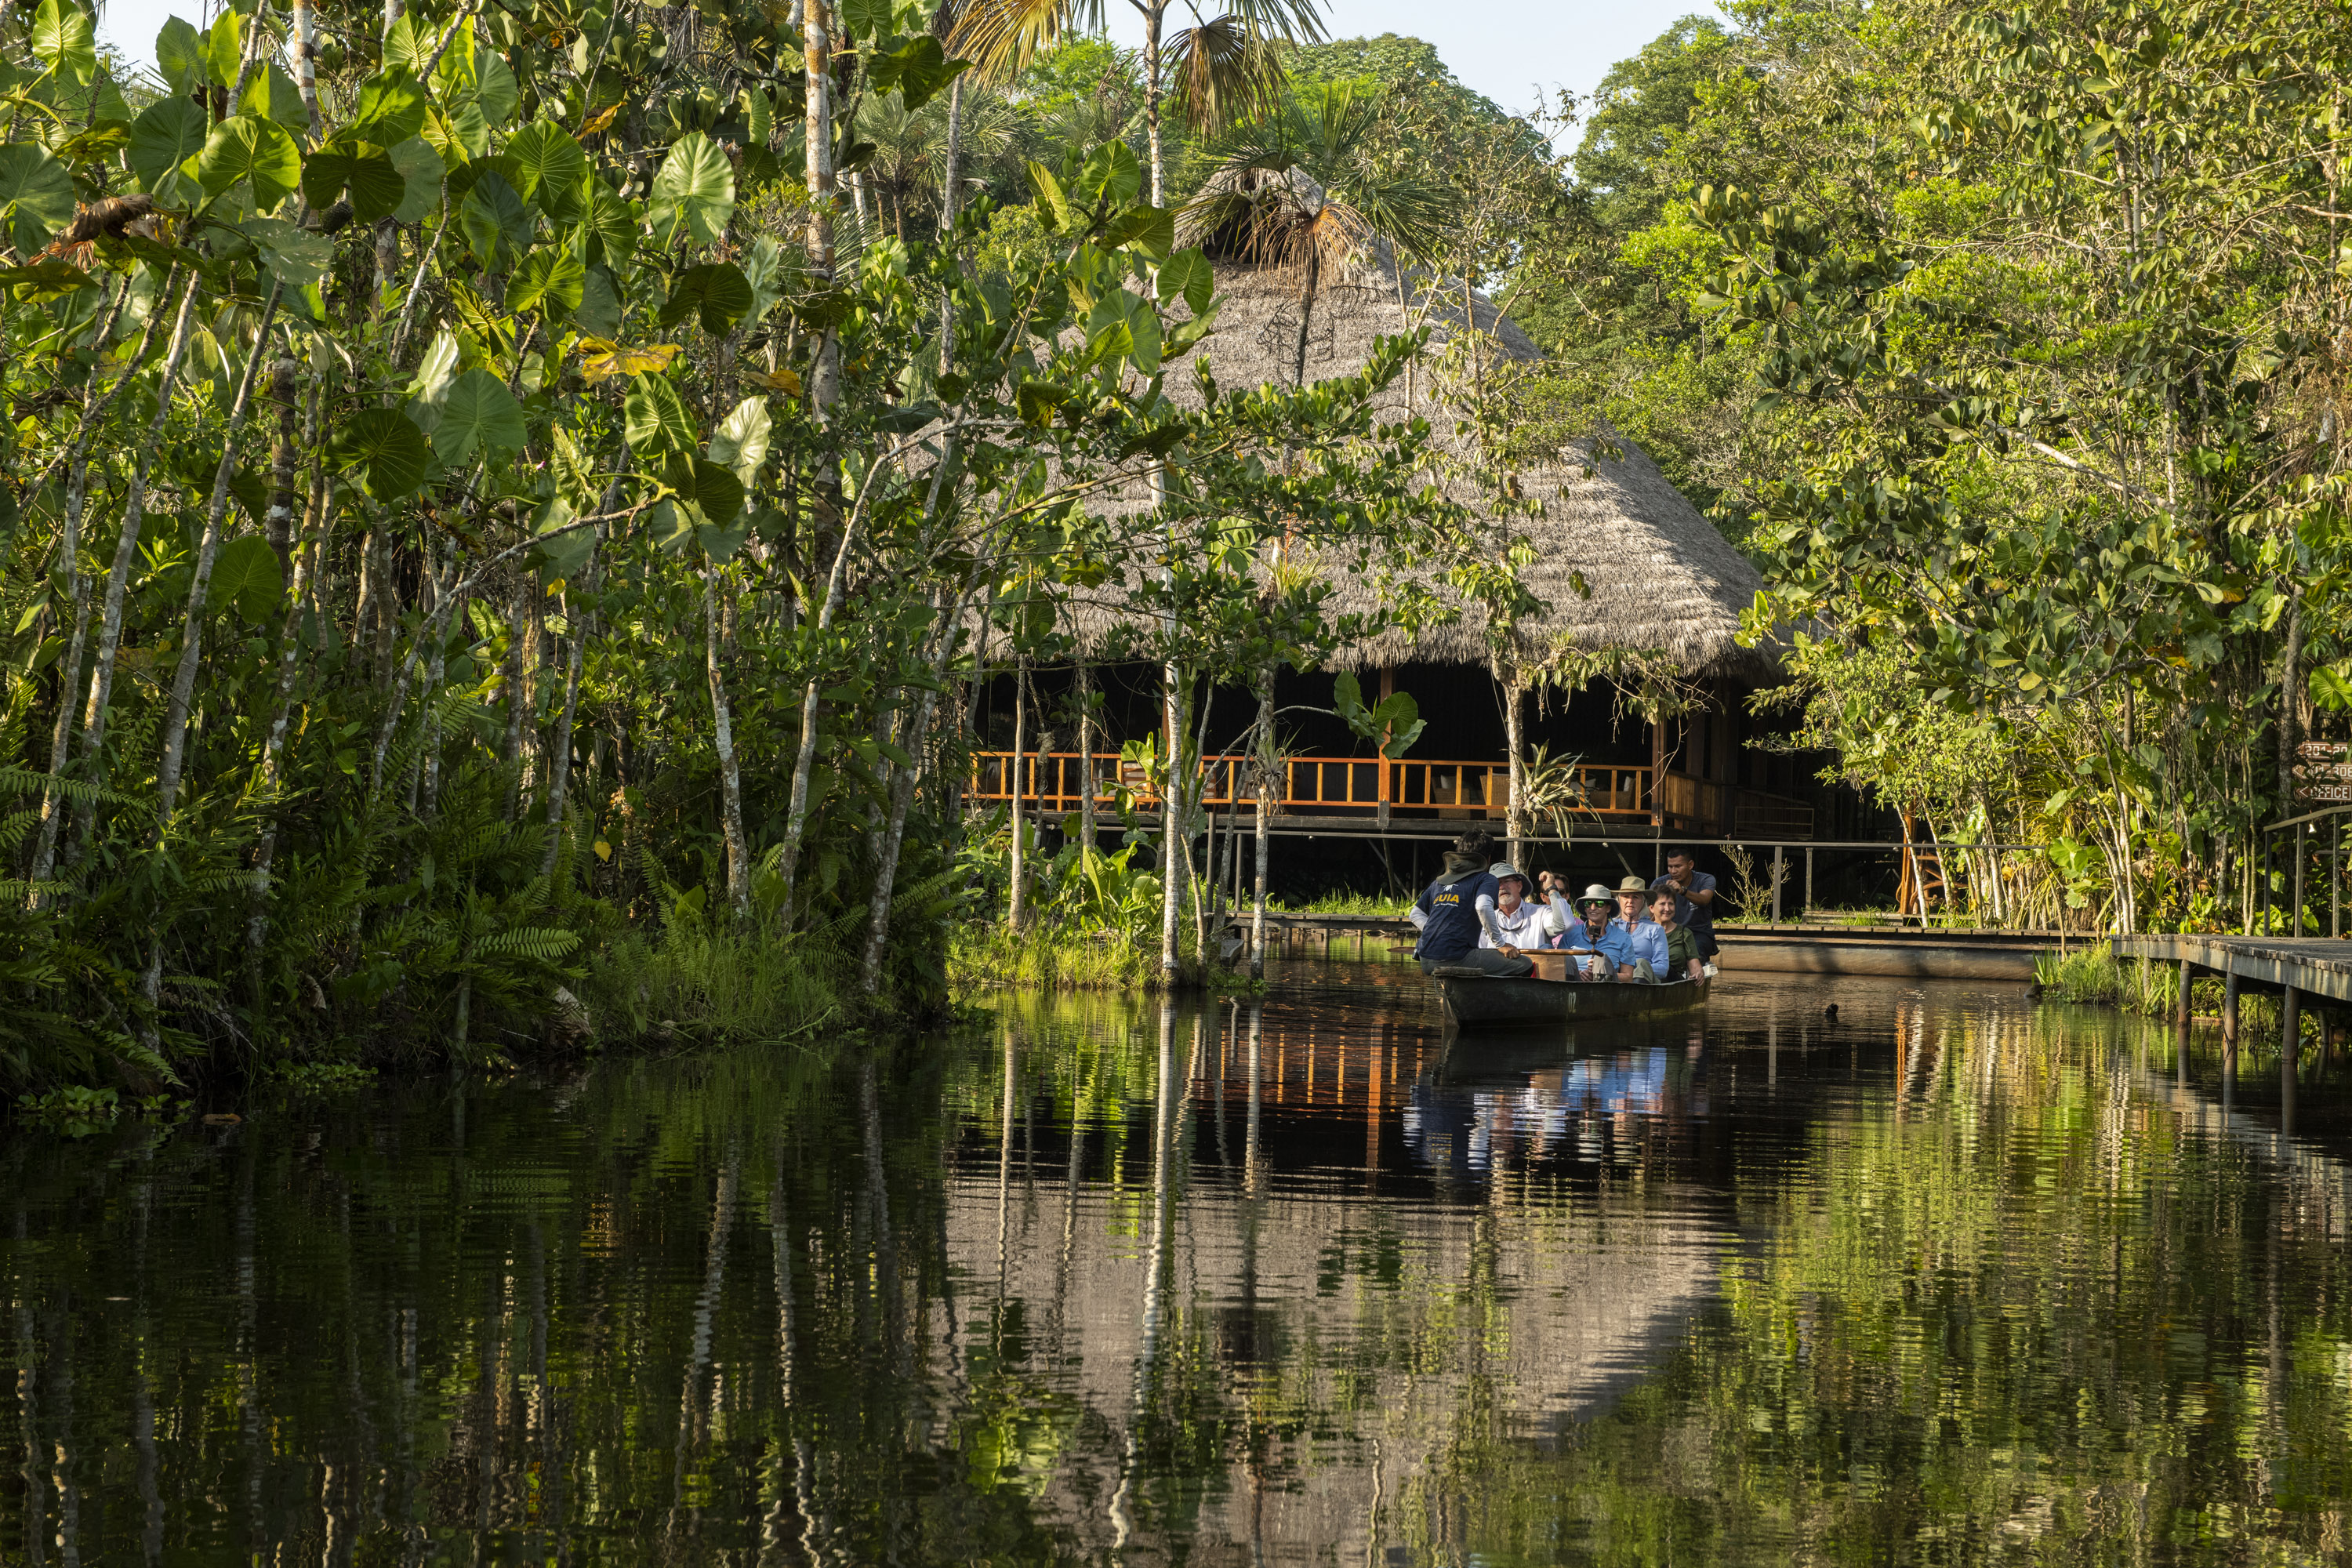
(503, 507)
(2010, 343)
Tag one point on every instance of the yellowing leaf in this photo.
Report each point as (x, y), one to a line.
(601, 360)
(604, 850)
(600, 119)
(785, 381)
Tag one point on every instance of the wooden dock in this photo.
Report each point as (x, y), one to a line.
(2295, 967)
(1789, 948)
(2319, 965)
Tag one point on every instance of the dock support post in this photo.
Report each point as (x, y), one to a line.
(1778, 851)
(2180, 1011)
(2290, 1047)
(2298, 880)
(2230, 1025)
(1808, 879)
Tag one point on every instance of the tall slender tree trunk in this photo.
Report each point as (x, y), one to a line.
(53, 800)
(730, 777)
(184, 681)
(1016, 913)
(309, 550)
(305, 63)
(1174, 813)
(1086, 828)
(1305, 313)
(559, 770)
(515, 696)
(126, 547)
(1515, 814)
(1263, 735)
(903, 787)
(2290, 710)
(825, 376)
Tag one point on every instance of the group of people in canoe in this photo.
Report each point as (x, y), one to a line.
(1481, 913)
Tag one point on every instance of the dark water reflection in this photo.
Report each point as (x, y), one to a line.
(1948, 1279)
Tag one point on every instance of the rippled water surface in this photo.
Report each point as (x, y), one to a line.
(1944, 1279)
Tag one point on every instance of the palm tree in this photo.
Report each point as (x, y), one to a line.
(1303, 187)
(1224, 66)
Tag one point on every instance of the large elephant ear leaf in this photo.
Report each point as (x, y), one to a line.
(387, 449)
(391, 108)
(180, 55)
(65, 40)
(656, 416)
(694, 192)
(247, 574)
(37, 196)
(246, 147)
(551, 170)
(551, 280)
(715, 292)
(479, 414)
(166, 134)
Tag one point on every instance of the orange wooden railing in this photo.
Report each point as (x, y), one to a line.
(1055, 782)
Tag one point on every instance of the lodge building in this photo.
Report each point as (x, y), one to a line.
(1630, 575)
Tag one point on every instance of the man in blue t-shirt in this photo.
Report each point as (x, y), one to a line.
(1456, 908)
(1694, 892)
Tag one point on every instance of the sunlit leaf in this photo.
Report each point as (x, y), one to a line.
(601, 360)
(656, 416)
(740, 442)
(693, 191)
(65, 40)
(244, 147)
(550, 280)
(478, 413)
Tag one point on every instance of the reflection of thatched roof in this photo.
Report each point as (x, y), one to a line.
(1659, 576)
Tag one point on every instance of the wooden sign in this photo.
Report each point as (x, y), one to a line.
(2323, 772)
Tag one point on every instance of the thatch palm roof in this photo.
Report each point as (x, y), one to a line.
(1657, 578)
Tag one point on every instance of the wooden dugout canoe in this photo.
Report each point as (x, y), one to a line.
(1489, 1003)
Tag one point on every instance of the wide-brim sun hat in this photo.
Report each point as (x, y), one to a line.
(1502, 869)
(1632, 885)
(1597, 893)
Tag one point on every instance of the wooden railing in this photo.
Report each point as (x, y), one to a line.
(1054, 781)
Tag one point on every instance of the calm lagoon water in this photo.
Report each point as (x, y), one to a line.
(1947, 1278)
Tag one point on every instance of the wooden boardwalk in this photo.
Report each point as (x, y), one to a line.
(2318, 965)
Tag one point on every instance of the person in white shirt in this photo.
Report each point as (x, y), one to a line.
(1520, 923)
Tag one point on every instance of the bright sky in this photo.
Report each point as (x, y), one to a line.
(1511, 50)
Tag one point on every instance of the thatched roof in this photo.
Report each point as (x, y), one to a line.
(1659, 578)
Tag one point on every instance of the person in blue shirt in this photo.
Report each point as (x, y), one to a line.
(1456, 908)
(1600, 933)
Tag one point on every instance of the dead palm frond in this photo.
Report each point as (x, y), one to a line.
(1225, 73)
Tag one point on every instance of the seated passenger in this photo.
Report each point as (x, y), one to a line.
(1596, 932)
(1518, 923)
(1456, 907)
(1664, 949)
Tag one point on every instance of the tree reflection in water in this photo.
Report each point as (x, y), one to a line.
(1308, 1281)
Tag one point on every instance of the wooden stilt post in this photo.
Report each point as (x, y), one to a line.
(2230, 1025)
(2180, 1010)
(2290, 1048)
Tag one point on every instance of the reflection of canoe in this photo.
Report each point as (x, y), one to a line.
(1483, 999)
